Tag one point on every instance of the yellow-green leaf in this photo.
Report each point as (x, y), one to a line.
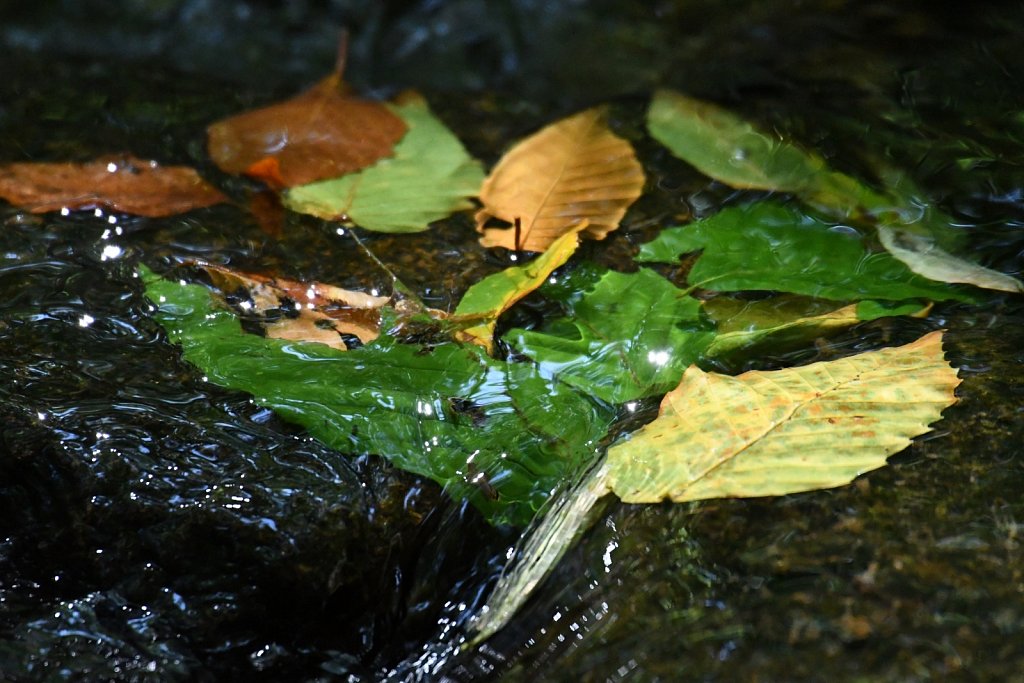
(785, 431)
(488, 299)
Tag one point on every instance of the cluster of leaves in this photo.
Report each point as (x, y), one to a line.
(505, 426)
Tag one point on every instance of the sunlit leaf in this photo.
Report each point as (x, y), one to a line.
(772, 433)
(923, 256)
(323, 133)
(769, 246)
(117, 183)
(429, 177)
(573, 170)
(629, 337)
(486, 300)
(501, 434)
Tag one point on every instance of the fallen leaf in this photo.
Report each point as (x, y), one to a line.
(311, 312)
(429, 177)
(118, 183)
(322, 133)
(486, 300)
(778, 247)
(631, 336)
(785, 431)
(729, 149)
(783, 328)
(478, 426)
(573, 170)
(923, 256)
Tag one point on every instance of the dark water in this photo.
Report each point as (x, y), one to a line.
(155, 527)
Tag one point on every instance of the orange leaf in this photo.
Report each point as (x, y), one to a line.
(322, 133)
(571, 171)
(118, 183)
(309, 312)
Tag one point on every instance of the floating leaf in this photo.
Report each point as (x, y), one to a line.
(488, 299)
(311, 312)
(631, 336)
(773, 433)
(323, 133)
(769, 246)
(923, 256)
(501, 434)
(725, 147)
(118, 183)
(429, 177)
(571, 171)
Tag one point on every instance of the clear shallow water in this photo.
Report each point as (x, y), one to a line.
(159, 528)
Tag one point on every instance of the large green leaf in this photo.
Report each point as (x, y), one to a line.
(429, 177)
(501, 434)
(772, 433)
(631, 336)
(770, 246)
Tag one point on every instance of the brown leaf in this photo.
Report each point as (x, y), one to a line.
(311, 312)
(118, 183)
(322, 133)
(573, 170)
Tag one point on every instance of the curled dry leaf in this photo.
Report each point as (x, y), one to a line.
(573, 170)
(310, 312)
(785, 431)
(117, 183)
(324, 132)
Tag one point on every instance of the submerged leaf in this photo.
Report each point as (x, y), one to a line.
(769, 246)
(573, 170)
(782, 328)
(786, 431)
(321, 133)
(310, 312)
(923, 256)
(502, 435)
(488, 299)
(430, 176)
(631, 336)
(725, 147)
(118, 183)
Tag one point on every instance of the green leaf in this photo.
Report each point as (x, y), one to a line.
(488, 299)
(501, 434)
(629, 337)
(725, 147)
(773, 433)
(786, 321)
(429, 177)
(923, 256)
(768, 246)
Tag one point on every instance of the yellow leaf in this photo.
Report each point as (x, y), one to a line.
(485, 301)
(772, 433)
(571, 171)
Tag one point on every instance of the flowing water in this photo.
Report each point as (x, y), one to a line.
(154, 527)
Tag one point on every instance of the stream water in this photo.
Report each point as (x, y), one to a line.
(154, 527)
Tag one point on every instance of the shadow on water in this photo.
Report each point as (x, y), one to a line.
(156, 527)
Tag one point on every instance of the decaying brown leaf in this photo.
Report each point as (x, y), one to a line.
(117, 183)
(573, 170)
(324, 132)
(311, 312)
